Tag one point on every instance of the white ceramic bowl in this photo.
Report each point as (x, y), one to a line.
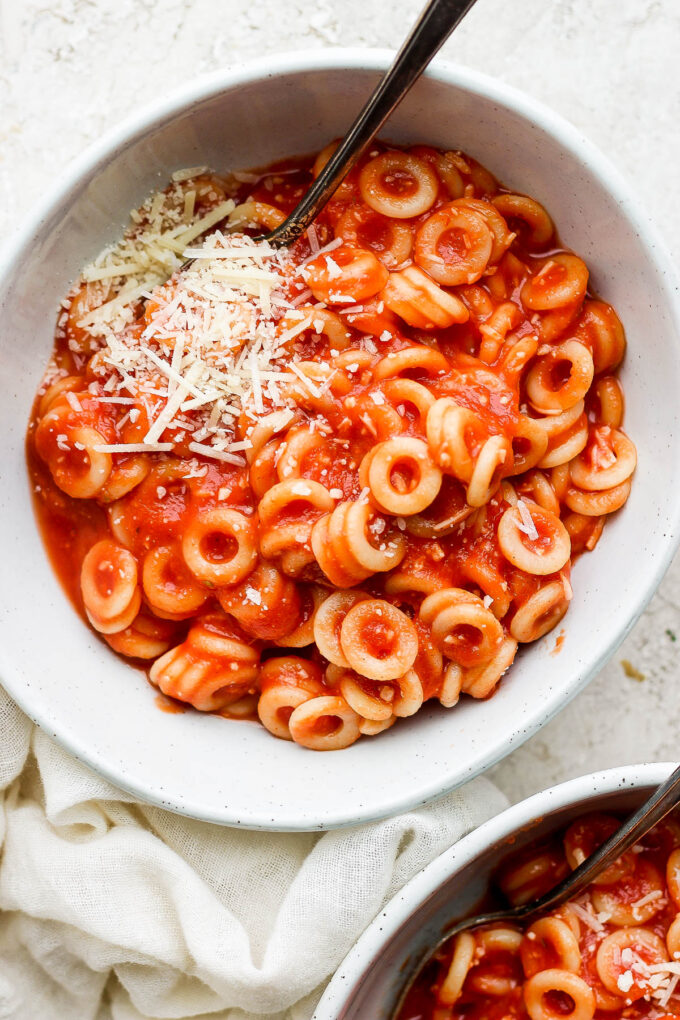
(370, 978)
(235, 772)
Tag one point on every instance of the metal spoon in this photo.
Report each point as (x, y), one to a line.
(430, 32)
(663, 800)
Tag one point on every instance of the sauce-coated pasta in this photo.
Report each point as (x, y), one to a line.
(329, 484)
(613, 953)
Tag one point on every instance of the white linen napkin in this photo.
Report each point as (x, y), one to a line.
(114, 910)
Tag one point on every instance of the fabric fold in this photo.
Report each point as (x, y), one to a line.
(116, 909)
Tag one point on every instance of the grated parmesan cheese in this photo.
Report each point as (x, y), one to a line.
(526, 525)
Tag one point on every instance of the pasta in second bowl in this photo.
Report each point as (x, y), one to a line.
(524, 470)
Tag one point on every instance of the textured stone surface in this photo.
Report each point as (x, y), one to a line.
(71, 68)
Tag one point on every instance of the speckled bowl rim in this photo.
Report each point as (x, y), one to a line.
(365, 954)
(96, 157)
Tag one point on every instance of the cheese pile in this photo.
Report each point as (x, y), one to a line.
(213, 344)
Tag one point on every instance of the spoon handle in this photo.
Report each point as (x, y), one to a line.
(656, 807)
(427, 36)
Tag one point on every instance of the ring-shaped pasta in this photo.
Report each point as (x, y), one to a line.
(169, 586)
(373, 705)
(462, 958)
(219, 546)
(328, 620)
(607, 396)
(462, 627)
(445, 168)
(529, 445)
(401, 581)
(567, 445)
(378, 421)
(221, 665)
(409, 697)
(286, 683)
(539, 613)
(562, 280)
(481, 681)
(287, 512)
(417, 359)
(492, 462)
(126, 474)
(555, 425)
(265, 428)
(332, 553)
(600, 328)
(297, 444)
(501, 237)
(560, 481)
(345, 273)
(350, 529)
(109, 587)
(262, 473)
(310, 320)
(371, 728)
(66, 384)
(550, 942)
(207, 679)
(256, 214)
(673, 938)
(643, 943)
(540, 989)
(494, 982)
(596, 504)
(545, 550)
(329, 324)
(80, 468)
(118, 623)
(540, 228)
(266, 603)
(312, 597)
(551, 393)
(402, 478)
(403, 393)
(526, 879)
(673, 876)
(108, 579)
(585, 835)
(324, 724)
(454, 246)
(495, 329)
(275, 707)
(389, 239)
(418, 300)
(378, 640)
(146, 637)
(398, 184)
(448, 428)
(615, 900)
(452, 685)
(536, 486)
(244, 707)
(591, 474)
(584, 532)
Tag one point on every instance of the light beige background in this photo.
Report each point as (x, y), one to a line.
(71, 68)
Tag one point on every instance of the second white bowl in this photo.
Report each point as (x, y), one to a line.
(370, 979)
